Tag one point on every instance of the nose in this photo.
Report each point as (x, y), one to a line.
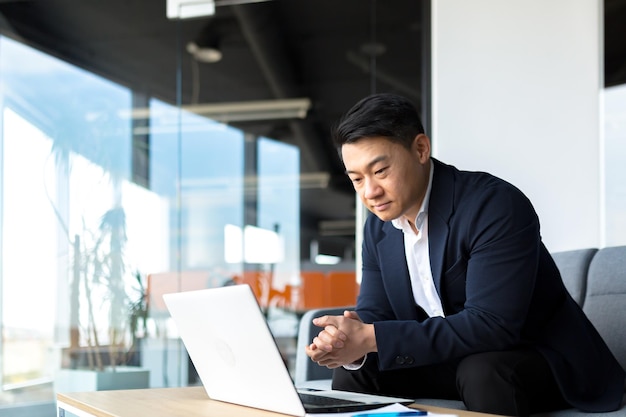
(371, 189)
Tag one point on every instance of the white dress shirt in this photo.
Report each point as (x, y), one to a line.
(418, 257)
(418, 262)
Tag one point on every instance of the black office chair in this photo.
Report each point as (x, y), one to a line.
(308, 374)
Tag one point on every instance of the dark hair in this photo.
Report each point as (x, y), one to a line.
(380, 115)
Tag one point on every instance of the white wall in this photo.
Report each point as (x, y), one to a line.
(516, 92)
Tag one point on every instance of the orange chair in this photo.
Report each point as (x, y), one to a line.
(342, 288)
(293, 297)
(314, 291)
(258, 281)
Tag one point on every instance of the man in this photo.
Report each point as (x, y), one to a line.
(459, 297)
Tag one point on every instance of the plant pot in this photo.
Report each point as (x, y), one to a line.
(122, 377)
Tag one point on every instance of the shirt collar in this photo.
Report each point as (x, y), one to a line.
(402, 223)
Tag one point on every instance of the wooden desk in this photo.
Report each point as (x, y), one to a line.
(172, 402)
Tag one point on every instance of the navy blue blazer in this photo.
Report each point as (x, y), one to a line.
(499, 287)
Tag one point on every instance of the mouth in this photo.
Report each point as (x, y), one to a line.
(381, 206)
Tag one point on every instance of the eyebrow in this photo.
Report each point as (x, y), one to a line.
(373, 162)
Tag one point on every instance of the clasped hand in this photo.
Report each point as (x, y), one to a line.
(343, 340)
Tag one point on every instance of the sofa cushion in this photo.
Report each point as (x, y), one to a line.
(605, 302)
(574, 265)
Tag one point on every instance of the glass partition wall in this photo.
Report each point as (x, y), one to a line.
(112, 194)
(87, 233)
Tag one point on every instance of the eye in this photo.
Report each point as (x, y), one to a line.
(356, 180)
(381, 171)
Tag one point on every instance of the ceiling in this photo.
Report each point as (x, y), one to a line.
(331, 51)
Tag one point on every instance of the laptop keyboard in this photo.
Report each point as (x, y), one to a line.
(319, 400)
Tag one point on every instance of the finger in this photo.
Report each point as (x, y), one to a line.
(317, 355)
(332, 337)
(351, 314)
(335, 333)
(311, 349)
(329, 363)
(324, 342)
(314, 352)
(324, 321)
(325, 337)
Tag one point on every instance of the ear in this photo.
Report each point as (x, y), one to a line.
(421, 147)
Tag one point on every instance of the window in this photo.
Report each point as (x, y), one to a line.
(614, 162)
(84, 222)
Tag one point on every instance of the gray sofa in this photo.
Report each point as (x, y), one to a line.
(596, 279)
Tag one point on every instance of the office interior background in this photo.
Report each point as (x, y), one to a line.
(143, 151)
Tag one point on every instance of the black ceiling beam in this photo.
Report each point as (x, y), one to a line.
(262, 32)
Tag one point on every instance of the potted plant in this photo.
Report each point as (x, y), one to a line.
(108, 312)
(107, 305)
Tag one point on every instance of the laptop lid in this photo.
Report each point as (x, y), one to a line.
(234, 352)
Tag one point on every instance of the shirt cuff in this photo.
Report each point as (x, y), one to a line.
(355, 366)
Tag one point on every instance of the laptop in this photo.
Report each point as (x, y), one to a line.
(238, 361)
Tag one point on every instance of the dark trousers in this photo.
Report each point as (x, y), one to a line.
(513, 383)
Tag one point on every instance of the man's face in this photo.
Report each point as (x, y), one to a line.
(390, 179)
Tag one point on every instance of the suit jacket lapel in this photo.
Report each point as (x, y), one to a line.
(439, 211)
(396, 273)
